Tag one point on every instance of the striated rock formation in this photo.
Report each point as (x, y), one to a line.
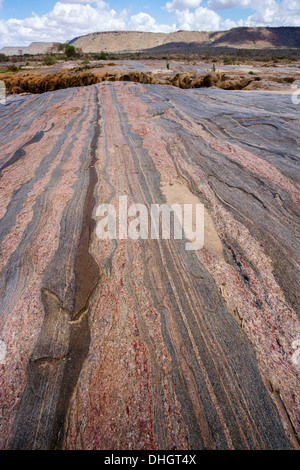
(124, 344)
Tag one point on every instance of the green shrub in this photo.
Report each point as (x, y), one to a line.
(12, 68)
(70, 51)
(228, 60)
(50, 60)
(103, 56)
(85, 62)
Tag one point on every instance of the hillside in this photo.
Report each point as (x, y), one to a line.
(132, 41)
(33, 49)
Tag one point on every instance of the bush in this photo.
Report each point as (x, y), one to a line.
(228, 60)
(50, 60)
(12, 68)
(101, 56)
(3, 58)
(85, 62)
(70, 51)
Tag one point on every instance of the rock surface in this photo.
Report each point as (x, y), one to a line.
(124, 344)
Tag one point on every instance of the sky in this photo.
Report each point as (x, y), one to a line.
(25, 21)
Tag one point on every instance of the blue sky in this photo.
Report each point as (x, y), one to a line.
(24, 21)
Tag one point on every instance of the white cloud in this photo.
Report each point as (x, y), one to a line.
(65, 21)
(71, 18)
(202, 19)
(181, 5)
(100, 3)
(144, 22)
(228, 24)
(274, 13)
(266, 13)
(228, 4)
(3, 28)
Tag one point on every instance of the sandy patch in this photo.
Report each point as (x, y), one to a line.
(179, 193)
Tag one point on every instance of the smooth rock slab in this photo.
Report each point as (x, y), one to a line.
(128, 344)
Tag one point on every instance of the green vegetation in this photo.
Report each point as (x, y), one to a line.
(11, 68)
(70, 51)
(251, 73)
(214, 67)
(103, 56)
(168, 66)
(85, 62)
(50, 60)
(228, 60)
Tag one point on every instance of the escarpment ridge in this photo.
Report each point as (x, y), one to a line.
(183, 41)
(244, 37)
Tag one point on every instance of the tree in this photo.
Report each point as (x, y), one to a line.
(70, 51)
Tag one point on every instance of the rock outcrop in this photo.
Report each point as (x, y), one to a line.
(40, 82)
(141, 344)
